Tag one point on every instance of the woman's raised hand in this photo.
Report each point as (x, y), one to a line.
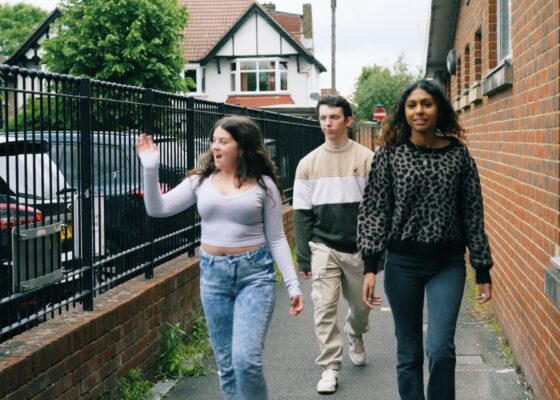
(145, 143)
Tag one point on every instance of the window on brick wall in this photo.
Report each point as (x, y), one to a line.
(458, 76)
(467, 68)
(500, 76)
(458, 84)
(503, 29)
(477, 60)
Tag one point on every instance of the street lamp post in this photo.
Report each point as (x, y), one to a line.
(333, 47)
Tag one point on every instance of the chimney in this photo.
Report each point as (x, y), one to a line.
(307, 24)
(269, 6)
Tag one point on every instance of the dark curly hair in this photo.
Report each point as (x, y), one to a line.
(254, 161)
(395, 129)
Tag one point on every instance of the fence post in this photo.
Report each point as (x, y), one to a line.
(190, 165)
(85, 201)
(148, 127)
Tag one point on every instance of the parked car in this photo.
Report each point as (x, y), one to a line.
(44, 170)
(12, 214)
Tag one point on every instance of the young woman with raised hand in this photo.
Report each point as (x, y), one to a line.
(240, 204)
(423, 205)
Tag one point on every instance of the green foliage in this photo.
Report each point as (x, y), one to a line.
(132, 42)
(183, 353)
(134, 386)
(381, 85)
(44, 114)
(16, 24)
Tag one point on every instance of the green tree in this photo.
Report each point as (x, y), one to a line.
(131, 42)
(16, 24)
(382, 85)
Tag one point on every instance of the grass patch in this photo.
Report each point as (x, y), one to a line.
(183, 354)
(484, 313)
(134, 386)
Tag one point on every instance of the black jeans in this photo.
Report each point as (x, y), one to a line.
(407, 278)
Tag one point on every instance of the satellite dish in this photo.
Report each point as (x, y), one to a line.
(314, 96)
(451, 61)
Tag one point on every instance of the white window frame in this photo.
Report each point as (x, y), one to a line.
(278, 75)
(503, 28)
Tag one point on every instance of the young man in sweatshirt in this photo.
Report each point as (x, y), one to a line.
(328, 189)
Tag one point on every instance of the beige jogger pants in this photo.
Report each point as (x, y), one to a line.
(332, 270)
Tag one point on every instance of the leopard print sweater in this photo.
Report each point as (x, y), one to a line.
(424, 202)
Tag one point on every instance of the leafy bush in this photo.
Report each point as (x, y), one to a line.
(183, 353)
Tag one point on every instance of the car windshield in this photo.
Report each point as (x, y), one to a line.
(107, 159)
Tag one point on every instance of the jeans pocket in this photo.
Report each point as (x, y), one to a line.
(205, 264)
(262, 261)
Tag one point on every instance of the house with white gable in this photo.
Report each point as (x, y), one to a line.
(238, 52)
(245, 53)
(28, 56)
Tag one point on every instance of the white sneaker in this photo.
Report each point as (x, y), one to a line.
(328, 381)
(357, 350)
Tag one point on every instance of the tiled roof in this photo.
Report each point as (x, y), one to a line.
(210, 20)
(290, 22)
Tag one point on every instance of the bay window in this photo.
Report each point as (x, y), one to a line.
(259, 76)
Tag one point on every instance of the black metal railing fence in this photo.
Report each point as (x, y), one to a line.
(72, 219)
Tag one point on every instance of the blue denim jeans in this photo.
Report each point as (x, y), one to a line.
(238, 294)
(442, 279)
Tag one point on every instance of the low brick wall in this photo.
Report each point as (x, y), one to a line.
(83, 354)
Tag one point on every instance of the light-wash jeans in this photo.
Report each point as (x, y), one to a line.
(238, 294)
(333, 271)
(442, 280)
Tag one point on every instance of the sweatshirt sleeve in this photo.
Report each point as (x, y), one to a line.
(276, 238)
(376, 211)
(303, 218)
(472, 214)
(173, 202)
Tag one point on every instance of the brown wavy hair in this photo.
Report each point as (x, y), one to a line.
(395, 129)
(253, 162)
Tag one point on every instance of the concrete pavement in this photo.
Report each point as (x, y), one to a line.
(482, 371)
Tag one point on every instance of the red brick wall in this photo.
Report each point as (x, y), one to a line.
(515, 137)
(83, 354)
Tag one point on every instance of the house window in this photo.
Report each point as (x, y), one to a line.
(504, 32)
(198, 75)
(264, 75)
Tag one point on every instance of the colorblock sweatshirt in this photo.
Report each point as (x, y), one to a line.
(328, 189)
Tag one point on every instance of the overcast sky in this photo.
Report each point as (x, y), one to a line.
(367, 32)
